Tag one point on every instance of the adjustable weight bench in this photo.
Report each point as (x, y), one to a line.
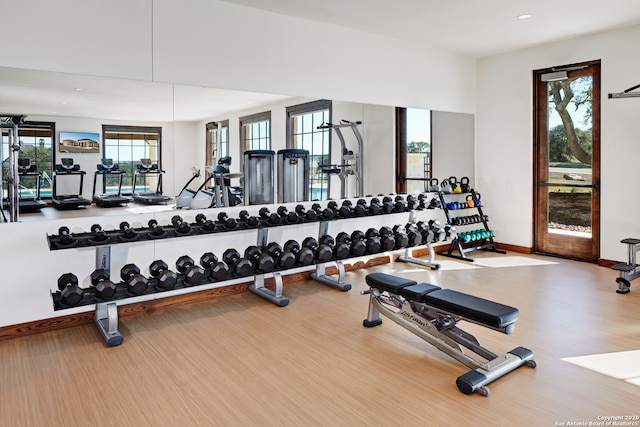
(432, 314)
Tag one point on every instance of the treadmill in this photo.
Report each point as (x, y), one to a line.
(144, 169)
(108, 200)
(27, 171)
(67, 169)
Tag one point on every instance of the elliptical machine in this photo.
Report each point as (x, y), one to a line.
(221, 194)
(186, 194)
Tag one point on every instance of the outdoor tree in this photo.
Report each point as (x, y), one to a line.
(418, 147)
(563, 95)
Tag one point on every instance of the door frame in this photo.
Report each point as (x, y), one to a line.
(551, 243)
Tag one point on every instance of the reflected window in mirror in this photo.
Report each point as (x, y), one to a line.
(303, 133)
(127, 145)
(217, 142)
(413, 150)
(255, 131)
(37, 145)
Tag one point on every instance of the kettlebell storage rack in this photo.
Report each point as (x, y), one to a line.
(106, 313)
(479, 239)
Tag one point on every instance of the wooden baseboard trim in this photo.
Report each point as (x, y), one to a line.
(607, 262)
(514, 248)
(130, 310)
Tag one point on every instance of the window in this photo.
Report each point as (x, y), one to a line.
(303, 133)
(217, 139)
(255, 131)
(126, 145)
(37, 142)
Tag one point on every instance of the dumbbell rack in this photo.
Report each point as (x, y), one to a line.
(483, 243)
(106, 314)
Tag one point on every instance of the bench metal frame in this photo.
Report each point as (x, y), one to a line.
(439, 329)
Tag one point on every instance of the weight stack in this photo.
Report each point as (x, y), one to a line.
(293, 175)
(258, 177)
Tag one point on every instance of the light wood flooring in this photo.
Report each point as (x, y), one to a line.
(242, 361)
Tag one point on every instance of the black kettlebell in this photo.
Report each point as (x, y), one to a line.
(464, 184)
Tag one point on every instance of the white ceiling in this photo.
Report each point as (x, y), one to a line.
(44, 93)
(471, 27)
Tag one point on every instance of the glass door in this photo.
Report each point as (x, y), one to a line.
(567, 157)
(413, 147)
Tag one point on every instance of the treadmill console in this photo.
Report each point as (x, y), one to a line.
(66, 165)
(146, 165)
(107, 165)
(24, 166)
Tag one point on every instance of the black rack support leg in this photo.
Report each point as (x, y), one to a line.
(106, 318)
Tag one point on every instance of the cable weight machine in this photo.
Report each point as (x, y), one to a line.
(351, 163)
(12, 122)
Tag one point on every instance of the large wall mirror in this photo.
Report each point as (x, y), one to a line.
(57, 105)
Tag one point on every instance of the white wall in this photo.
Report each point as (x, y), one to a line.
(504, 146)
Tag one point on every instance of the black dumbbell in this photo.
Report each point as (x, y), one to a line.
(374, 206)
(387, 205)
(70, 292)
(165, 278)
(65, 238)
(284, 259)
(262, 261)
(450, 232)
(249, 221)
(307, 215)
(270, 218)
(304, 256)
(402, 239)
(399, 204)
(412, 202)
(239, 266)
(340, 249)
(322, 213)
(128, 233)
(358, 245)
(156, 231)
(180, 226)
(290, 217)
(193, 274)
(346, 210)
(414, 235)
(387, 239)
(105, 288)
(422, 201)
(99, 235)
(204, 223)
(137, 284)
(322, 253)
(360, 209)
(374, 244)
(217, 270)
(227, 222)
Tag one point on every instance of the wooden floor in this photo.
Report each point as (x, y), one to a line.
(241, 361)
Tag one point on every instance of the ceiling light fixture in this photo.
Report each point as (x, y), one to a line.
(524, 16)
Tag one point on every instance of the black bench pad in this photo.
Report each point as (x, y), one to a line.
(418, 292)
(479, 310)
(387, 282)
